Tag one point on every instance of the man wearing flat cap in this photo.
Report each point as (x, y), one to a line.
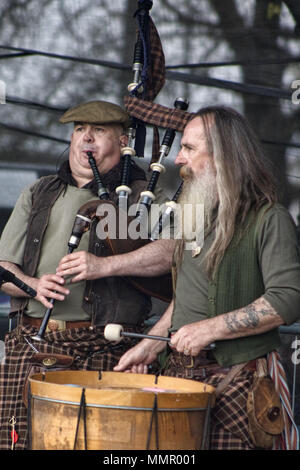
(35, 242)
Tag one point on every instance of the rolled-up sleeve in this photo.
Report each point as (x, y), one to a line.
(279, 260)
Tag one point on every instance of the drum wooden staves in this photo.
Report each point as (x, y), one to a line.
(119, 410)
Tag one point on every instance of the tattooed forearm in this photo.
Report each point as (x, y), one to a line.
(251, 317)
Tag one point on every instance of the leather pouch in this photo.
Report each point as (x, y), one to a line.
(264, 411)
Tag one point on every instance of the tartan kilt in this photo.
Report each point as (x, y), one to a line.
(228, 419)
(89, 348)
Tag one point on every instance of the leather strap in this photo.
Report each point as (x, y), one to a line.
(36, 322)
(229, 377)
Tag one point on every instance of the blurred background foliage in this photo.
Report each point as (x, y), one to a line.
(242, 54)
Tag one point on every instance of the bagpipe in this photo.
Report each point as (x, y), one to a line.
(148, 78)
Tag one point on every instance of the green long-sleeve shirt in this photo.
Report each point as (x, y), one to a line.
(279, 263)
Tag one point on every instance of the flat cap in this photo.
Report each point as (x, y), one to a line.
(96, 112)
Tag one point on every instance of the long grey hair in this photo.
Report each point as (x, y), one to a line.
(244, 177)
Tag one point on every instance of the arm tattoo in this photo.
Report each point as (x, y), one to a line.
(248, 317)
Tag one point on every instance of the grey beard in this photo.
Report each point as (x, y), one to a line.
(197, 202)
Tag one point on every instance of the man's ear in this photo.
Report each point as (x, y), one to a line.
(123, 140)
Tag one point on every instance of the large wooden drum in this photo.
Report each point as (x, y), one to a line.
(115, 410)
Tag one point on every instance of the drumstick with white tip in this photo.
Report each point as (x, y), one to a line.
(114, 332)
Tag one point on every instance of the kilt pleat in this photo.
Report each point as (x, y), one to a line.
(229, 419)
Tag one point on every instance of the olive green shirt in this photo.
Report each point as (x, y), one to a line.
(279, 263)
(54, 246)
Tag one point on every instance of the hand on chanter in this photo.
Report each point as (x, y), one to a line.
(50, 286)
(80, 266)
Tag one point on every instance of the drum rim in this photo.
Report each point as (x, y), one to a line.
(194, 394)
(116, 407)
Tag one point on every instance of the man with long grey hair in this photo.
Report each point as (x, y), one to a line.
(233, 292)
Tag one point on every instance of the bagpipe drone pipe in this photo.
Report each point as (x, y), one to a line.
(148, 70)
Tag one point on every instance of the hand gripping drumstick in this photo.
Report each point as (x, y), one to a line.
(114, 332)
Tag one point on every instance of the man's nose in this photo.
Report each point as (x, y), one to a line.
(180, 160)
(88, 135)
